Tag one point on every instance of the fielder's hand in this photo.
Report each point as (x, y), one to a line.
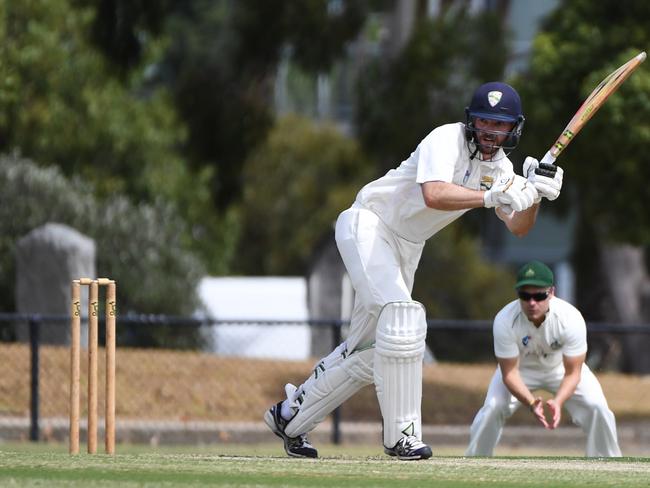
(547, 178)
(511, 193)
(556, 413)
(538, 410)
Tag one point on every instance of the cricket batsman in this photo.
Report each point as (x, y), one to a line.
(456, 168)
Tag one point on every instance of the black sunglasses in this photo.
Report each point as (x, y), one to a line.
(538, 297)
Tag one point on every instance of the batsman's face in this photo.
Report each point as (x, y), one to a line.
(491, 134)
(534, 301)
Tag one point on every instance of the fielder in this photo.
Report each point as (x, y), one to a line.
(540, 342)
(457, 167)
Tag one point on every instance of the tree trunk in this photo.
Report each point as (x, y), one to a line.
(628, 283)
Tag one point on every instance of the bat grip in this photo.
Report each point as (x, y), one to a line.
(548, 158)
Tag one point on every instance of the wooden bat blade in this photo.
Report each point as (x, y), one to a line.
(590, 106)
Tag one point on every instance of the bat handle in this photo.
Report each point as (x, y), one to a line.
(548, 158)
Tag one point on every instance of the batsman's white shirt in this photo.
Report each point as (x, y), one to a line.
(563, 332)
(380, 239)
(443, 155)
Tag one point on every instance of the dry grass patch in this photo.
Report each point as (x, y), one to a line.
(179, 385)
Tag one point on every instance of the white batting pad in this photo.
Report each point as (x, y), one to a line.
(335, 379)
(399, 350)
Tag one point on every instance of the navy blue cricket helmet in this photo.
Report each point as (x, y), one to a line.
(496, 101)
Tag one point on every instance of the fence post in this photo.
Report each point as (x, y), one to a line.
(336, 414)
(34, 343)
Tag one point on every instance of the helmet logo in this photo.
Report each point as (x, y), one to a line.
(494, 97)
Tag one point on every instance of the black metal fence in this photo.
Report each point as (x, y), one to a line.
(445, 338)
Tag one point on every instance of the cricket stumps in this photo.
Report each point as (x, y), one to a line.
(75, 363)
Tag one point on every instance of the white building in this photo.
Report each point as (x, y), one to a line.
(264, 299)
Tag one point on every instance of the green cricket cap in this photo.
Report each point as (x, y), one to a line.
(534, 273)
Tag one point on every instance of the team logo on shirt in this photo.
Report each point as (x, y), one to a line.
(494, 97)
(486, 182)
(525, 340)
(555, 345)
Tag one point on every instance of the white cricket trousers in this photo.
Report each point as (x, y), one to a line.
(587, 407)
(381, 266)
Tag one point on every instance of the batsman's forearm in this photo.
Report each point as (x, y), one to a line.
(441, 195)
(521, 222)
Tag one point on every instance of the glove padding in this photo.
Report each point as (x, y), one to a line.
(546, 178)
(511, 193)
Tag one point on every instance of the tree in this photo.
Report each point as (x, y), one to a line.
(297, 182)
(123, 28)
(428, 83)
(220, 61)
(454, 282)
(580, 44)
(221, 66)
(63, 103)
(140, 246)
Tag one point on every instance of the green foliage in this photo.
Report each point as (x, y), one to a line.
(297, 183)
(319, 30)
(454, 282)
(121, 27)
(429, 83)
(63, 103)
(221, 67)
(140, 245)
(582, 42)
(623, 122)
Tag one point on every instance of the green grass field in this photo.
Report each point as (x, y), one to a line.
(23, 465)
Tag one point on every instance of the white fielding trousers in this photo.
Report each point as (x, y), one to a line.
(587, 406)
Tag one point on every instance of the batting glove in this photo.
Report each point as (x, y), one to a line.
(547, 178)
(496, 195)
(511, 193)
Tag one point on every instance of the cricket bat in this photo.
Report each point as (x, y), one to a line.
(590, 106)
